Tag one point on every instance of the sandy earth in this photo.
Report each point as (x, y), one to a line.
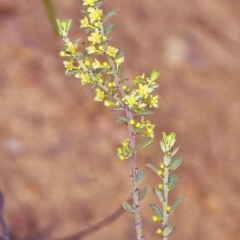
(58, 171)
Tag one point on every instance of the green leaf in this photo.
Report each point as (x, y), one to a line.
(104, 71)
(117, 108)
(154, 75)
(121, 119)
(168, 230)
(172, 181)
(98, 4)
(138, 130)
(140, 176)
(72, 72)
(143, 193)
(176, 163)
(144, 112)
(85, 56)
(152, 167)
(108, 28)
(145, 142)
(124, 80)
(120, 69)
(175, 151)
(89, 30)
(167, 160)
(176, 203)
(127, 207)
(163, 147)
(159, 194)
(120, 53)
(156, 210)
(108, 40)
(110, 14)
(128, 88)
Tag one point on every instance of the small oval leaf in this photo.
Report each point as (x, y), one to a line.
(140, 176)
(159, 194)
(167, 160)
(163, 147)
(69, 73)
(144, 112)
(172, 181)
(144, 143)
(156, 210)
(120, 69)
(89, 30)
(152, 167)
(176, 163)
(117, 108)
(120, 53)
(108, 28)
(168, 230)
(175, 151)
(121, 119)
(176, 203)
(127, 207)
(110, 14)
(143, 193)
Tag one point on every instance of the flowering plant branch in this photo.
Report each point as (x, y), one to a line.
(100, 65)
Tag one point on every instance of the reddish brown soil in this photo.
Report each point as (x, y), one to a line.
(58, 171)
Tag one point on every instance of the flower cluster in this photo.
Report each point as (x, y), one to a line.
(124, 152)
(169, 181)
(140, 97)
(144, 127)
(100, 65)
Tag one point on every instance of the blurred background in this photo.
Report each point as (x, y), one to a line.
(58, 171)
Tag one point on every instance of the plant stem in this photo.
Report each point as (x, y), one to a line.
(165, 203)
(133, 159)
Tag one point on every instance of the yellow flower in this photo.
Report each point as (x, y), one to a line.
(84, 23)
(85, 77)
(70, 47)
(68, 65)
(89, 2)
(105, 64)
(120, 60)
(111, 51)
(132, 122)
(99, 77)
(108, 103)
(169, 208)
(94, 14)
(156, 218)
(92, 49)
(160, 173)
(96, 64)
(99, 95)
(95, 37)
(130, 100)
(87, 63)
(139, 78)
(153, 101)
(125, 143)
(144, 90)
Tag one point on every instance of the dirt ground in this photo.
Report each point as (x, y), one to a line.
(58, 171)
